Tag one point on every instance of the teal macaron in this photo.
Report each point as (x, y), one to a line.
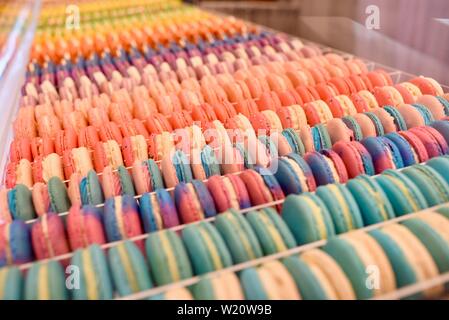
(369, 195)
(20, 203)
(444, 103)
(342, 207)
(432, 185)
(440, 165)
(308, 218)
(377, 123)
(11, 283)
(222, 286)
(271, 230)
(352, 124)
(46, 281)
(321, 137)
(398, 118)
(425, 113)
(252, 285)
(403, 194)
(248, 161)
(348, 259)
(167, 257)
(307, 283)
(91, 191)
(59, 198)
(238, 236)
(209, 161)
(403, 268)
(126, 182)
(129, 269)
(206, 248)
(95, 282)
(294, 141)
(182, 166)
(434, 242)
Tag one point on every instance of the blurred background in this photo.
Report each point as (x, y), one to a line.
(412, 35)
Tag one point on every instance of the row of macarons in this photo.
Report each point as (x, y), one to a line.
(339, 269)
(228, 56)
(249, 149)
(291, 171)
(333, 208)
(195, 26)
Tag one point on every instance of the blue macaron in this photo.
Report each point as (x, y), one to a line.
(321, 138)
(406, 150)
(91, 191)
(398, 118)
(294, 141)
(293, 174)
(209, 161)
(17, 247)
(158, 211)
(354, 126)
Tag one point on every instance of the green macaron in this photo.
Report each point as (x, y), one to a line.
(20, 203)
(252, 285)
(238, 236)
(342, 207)
(206, 248)
(90, 189)
(404, 271)
(403, 194)
(347, 258)
(94, 277)
(129, 269)
(308, 284)
(167, 257)
(11, 283)
(271, 230)
(369, 195)
(126, 182)
(440, 165)
(429, 182)
(437, 246)
(308, 218)
(46, 281)
(59, 198)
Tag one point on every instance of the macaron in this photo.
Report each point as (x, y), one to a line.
(134, 148)
(339, 131)
(427, 85)
(15, 243)
(342, 207)
(440, 165)
(431, 230)
(311, 283)
(239, 237)
(294, 174)
(321, 138)
(121, 218)
(175, 169)
(402, 193)
(228, 191)
(376, 122)
(425, 112)
(411, 115)
(269, 281)
(79, 160)
(223, 286)
(146, 176)
(432, 185)
(433, 141)
(397, 116)
(317, 112)
(326, 167)
(442, 127)
(384, 153)
(271, 230)
(115, 182)
(167, 257)
(403, 249)
(272, 184)
(84, 226)
(308, 218)
(445, 103)
(433, 104)
(386, 119)
(46, 281)
(11, 287)
(95, 282)
(209, 162)
(292, 116)
(294, 140)
(356, 158)
(193, 201)
(329, 273)
(264, 187)
(206, 248)
(354, 126)
(48, 237)
(158, 211)
(419, 149)
(51, 197)
(90, 189)
(129, 269)
(408, 153)
(45, 168)
(107, 154)
(369, 195)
